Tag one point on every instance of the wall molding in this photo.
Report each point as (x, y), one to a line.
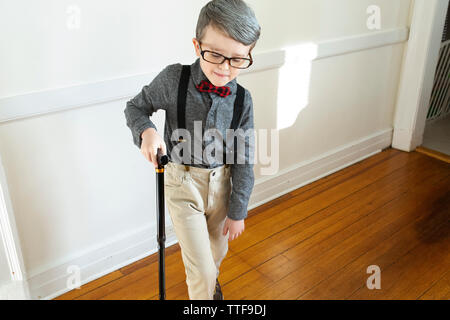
(90, 94)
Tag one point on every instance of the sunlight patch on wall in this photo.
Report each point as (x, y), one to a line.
(293, 85)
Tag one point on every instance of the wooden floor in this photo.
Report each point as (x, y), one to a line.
(391, 210)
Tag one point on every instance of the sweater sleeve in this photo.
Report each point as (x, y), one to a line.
(242, 174)
(152, 97)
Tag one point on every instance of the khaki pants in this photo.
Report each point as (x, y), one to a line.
(197, 201)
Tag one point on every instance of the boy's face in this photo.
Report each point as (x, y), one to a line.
(215, 40)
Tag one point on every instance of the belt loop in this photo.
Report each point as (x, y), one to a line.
(186, 167)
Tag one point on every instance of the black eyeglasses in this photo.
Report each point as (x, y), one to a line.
(217, 58)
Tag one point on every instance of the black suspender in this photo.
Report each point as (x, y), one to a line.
(181, 107)
(237, 111)
(182, 94)
(238, 106)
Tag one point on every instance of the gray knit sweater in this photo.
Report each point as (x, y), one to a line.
(213, 111)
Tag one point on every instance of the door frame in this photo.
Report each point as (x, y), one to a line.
(17, 288)
(418, 72)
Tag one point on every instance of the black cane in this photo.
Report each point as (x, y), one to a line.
(162, 160)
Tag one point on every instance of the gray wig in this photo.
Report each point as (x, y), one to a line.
(234, 17)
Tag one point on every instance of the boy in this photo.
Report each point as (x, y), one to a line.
(204, 205)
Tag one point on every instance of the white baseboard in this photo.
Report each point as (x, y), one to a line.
(96, 263)
(14, 290)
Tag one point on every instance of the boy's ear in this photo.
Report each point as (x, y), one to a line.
(196, 46)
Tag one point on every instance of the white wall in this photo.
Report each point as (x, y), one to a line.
(80, 189)
(116, 40)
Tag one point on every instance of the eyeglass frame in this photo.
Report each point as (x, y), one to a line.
(202, 52)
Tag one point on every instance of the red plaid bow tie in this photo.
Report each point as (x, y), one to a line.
(206, 86)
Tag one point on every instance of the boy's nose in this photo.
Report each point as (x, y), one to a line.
(225, 65)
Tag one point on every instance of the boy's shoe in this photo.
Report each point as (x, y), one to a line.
(218, 293)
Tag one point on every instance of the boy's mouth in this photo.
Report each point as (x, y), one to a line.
(220, 75)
